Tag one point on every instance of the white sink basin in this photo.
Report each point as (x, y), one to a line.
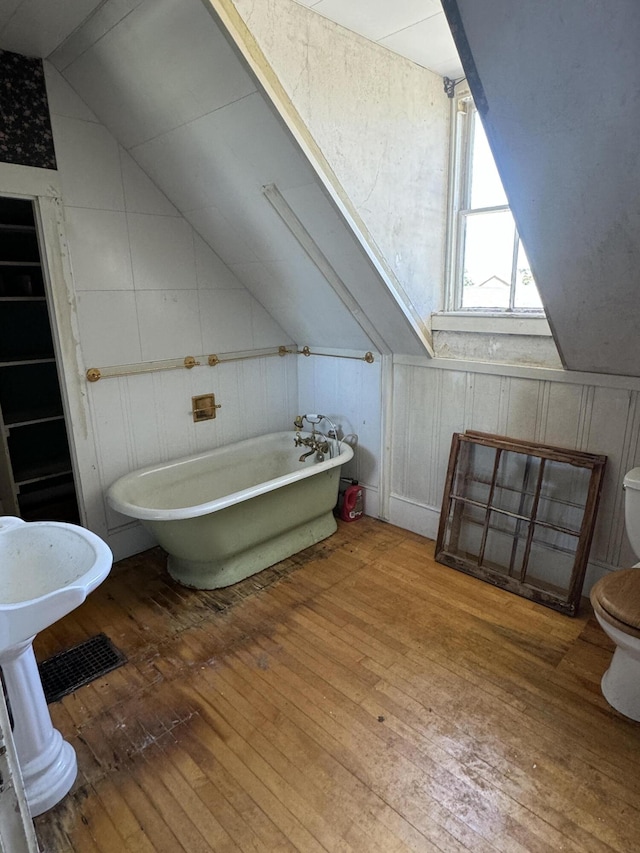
(47, 569)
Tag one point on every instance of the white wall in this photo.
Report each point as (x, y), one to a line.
(382, 123)
(349, 391)
(148, 288)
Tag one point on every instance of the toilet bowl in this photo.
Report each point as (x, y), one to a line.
(616, 603)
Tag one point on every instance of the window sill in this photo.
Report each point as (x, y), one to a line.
(492, 324)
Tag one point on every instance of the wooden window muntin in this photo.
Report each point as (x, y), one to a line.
(536, 520)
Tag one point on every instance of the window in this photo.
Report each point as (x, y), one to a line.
(520, 515)
(488, 267)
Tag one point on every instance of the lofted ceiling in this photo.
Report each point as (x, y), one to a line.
(162, 77)
(547, 98)
(416, 29)
(38, 27)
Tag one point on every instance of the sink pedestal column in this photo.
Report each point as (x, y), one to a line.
(47, 762)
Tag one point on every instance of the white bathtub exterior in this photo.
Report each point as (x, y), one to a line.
(231, 512)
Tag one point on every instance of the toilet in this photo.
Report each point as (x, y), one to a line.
(616, 603)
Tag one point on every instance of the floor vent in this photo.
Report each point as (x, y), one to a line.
(63, 673)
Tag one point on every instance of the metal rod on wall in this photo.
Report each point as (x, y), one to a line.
(368, 356)
(94, 374)
(213, 360)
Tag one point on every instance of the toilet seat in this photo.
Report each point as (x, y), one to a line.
(616, 599)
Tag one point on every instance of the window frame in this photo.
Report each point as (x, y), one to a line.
(463, 116)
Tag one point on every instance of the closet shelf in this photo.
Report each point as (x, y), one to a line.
(20, 419)
(36, 359)
(17, 228)
(38, 473)
(23, 299)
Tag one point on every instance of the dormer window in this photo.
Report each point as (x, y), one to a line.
(488, 268)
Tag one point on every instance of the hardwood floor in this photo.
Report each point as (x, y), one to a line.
(357, 697)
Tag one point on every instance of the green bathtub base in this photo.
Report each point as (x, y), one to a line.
(224, 572)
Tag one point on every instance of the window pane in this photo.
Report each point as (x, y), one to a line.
(515, 484)
(505, 544)
(526, 294)
(474, 472)
(488, 259)
(486, 186)
(463, 533)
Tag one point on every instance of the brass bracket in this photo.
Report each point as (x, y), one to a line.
(190, 362)
(93, 374)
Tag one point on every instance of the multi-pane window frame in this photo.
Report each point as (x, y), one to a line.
(464, 116)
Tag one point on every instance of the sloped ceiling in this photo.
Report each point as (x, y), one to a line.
(166, 83)
(556, 84)
(416, 29)
(37, 27)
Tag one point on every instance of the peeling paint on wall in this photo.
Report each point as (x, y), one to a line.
(384, 133)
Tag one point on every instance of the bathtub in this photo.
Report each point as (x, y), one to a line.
(230, 512)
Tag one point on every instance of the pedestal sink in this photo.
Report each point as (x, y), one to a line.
(47, 569)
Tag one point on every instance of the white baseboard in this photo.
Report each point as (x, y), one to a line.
(371, 501)
(414, 516)
(128, 540)
(595, 571)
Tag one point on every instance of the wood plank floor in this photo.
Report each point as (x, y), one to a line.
(358, 697)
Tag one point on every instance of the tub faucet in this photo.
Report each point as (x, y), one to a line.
(306, 455)
(316, 442)
(314, 420)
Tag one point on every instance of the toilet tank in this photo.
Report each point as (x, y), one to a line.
(632, 508)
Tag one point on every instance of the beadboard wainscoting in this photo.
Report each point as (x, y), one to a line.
(588, 412)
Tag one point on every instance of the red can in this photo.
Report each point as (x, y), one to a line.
(352, 503)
